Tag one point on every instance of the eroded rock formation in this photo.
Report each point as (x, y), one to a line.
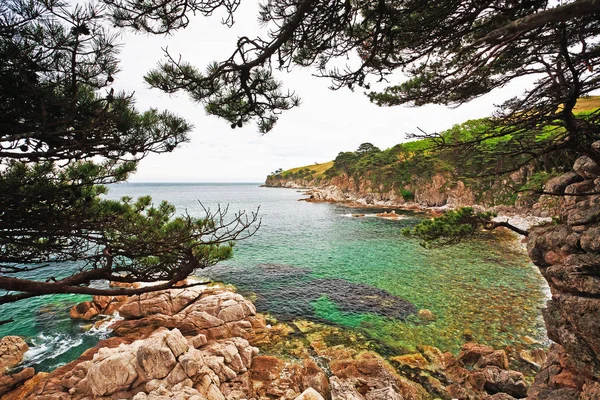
(12, 349)
(568, 255)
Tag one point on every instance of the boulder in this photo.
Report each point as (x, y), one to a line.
(590, 239)
(557, 378)
(310, 394)
(383, 394)
(558, 184)
(100, 305)
(86, 311)
(272, 377)
(198, 341)
(157, 358)
(502, 381)
(369, 372)
(111, 371)
(314, 378)
(23, 390)
(472, 352)
(12, 349)
(342, 389)
(586, 167)
(9, 382)
(177, 392)
(497, 358)
(535, 357)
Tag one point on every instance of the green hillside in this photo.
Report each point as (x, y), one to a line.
(316, 170)
(484, 167)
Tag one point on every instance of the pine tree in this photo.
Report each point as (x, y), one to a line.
(65, 133)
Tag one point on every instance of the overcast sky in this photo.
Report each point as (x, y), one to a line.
(326, 123)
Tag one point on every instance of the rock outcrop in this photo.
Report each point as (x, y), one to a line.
(100, 305)
(568, 255)
(214, 313)
(181, 344)
(478, 372)
(437, 191)
(165, 362)
(198, 343)
(12, 349)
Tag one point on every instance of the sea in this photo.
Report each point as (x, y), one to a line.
(323, 263)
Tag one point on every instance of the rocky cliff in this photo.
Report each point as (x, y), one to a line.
(438, 190)
(568, 255)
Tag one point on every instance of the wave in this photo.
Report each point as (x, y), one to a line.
(103, 330)
(44, 347)
(50, 347)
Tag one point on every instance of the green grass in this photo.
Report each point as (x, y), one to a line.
(317, 169)
(590, 103)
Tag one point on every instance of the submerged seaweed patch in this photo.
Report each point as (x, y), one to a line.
(292, 293)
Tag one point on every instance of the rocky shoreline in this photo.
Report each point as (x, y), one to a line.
(210, 344)
(203, 343)
(522, 218)
(566, 251)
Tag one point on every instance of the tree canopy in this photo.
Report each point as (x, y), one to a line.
(450, 52)
(66, 132)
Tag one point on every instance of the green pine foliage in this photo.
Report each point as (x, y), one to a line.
(450, 228)
(66, 132)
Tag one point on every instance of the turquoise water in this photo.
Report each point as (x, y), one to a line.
(317, 262)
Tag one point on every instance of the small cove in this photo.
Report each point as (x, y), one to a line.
(313, 261)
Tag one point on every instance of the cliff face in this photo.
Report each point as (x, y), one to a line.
(441, 189)
(568, 255)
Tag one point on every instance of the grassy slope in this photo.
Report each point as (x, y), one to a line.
(317, 169)
(588, 104)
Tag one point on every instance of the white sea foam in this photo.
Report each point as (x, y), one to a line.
(104, 329)
(49, 347)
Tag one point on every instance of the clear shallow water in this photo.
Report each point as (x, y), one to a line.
(314, 261)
